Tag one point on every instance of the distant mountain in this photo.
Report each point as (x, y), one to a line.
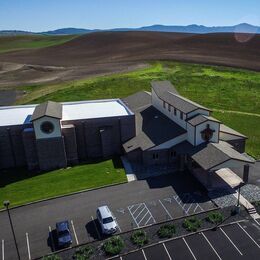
(14, 32)
(193, 28)
(68, 31)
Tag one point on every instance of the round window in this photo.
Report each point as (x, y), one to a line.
(47, 127)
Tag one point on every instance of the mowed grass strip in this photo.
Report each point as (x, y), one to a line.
(20, 186)
(248, 125)
(19, 42)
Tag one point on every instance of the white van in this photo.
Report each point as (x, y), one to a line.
(106, 220)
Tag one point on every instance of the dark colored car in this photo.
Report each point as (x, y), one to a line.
(63, 234)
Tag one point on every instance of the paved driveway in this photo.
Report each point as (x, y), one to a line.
(236, 241)
(134, 204)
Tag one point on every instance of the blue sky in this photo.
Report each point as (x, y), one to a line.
(41, 15)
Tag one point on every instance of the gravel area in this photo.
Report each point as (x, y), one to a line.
(223, 198)
(251, 192)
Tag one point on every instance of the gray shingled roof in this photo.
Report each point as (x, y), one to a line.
(152, 128)
(228, 130)
(163, 86)
(165, 91)
(209, 155)
(49, 108)
(199, 119)
(138, 100)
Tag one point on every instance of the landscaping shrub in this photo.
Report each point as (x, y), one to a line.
(51, 257)
(191, 224)
(215, 217)
(114, 245)
(166, 231)
(139, 238)
(83, 253)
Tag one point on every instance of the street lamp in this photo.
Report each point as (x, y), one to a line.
(238, 197)
(6, 204)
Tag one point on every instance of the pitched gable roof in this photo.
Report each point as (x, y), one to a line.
(49, 108)
(199, 119)
(165, 91)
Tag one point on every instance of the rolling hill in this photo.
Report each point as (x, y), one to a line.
(109, 52)
(192, 28)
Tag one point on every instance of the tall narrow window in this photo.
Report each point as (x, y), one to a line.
(175, 111)
(155, 156)
(164, 104)
(181, 115)
(173, 153)
(169, 107)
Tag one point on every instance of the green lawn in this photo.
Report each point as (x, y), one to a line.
(20, 186)
(248, 125)
(11, 43)
(212, 86)
(215, 87)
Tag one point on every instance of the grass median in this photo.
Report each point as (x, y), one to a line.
(21, 186)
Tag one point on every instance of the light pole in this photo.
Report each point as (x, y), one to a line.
(238, 198)
(6, 204)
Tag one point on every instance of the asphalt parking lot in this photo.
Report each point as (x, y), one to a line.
(134, 205)
(239, 240)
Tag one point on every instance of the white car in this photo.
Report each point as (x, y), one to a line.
(106, 220)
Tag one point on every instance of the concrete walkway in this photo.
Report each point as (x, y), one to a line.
(233, 180)
(250, 208)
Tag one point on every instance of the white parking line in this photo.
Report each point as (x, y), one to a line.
(144, 254)
(249, 235)
(150, 213)
(189, 248)
(167, 251)
(147, 212)
(139, 213)
(137, 208)
(147, 221)
(166, 210)
(129, 208)
(28, 246)
(3, 249)
(231, 241)
(99, 236)
(215, 251)
(120, 230)
(73, 228)
(256, 220)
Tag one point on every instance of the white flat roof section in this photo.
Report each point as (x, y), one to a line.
(94, 109)
(17, 115)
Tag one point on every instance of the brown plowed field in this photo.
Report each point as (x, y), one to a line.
(106, 52)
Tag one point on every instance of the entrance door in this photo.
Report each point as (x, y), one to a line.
(106, 141)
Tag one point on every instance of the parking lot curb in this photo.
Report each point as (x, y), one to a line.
(174, 238)
(65, 195)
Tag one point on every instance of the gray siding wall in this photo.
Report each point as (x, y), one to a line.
(51, 153)
(90, 138)
(238, 144)
(12, 152)
(30, 149)
(102, 137)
